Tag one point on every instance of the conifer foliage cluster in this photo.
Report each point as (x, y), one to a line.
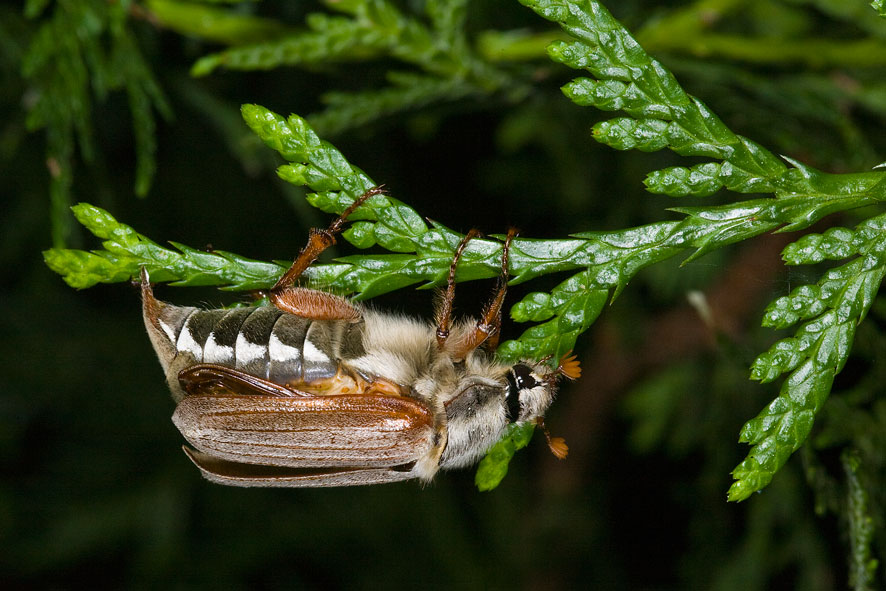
(442, 57)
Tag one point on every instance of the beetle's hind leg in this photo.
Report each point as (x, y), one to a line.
(310, 303)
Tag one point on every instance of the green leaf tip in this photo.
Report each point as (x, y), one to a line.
(700, 180)
(494, 466)
(81, 269)
(125, 252)
(314, 163)
(812, 358)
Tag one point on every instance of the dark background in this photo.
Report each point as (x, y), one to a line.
(95, 490)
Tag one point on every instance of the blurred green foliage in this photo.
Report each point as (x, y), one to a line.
(459, 94)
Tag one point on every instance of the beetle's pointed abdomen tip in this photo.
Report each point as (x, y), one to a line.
(164, 322)
(150, 305)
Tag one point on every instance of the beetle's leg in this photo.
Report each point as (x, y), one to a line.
(444, 312)
(309, 303)
(319, 240)
(209, 378)
(314, 304)
(488, 328)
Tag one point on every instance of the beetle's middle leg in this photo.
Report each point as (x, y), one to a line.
(488, 327)
(310, 303)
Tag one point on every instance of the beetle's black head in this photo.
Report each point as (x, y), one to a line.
(529, 395)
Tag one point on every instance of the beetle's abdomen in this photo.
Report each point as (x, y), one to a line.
(264, 342)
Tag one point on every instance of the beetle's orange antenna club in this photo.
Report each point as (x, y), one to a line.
(569, 366)
(557, 445)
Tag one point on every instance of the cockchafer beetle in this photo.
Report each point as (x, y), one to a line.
(315, 390)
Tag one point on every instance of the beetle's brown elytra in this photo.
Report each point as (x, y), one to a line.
(315, 390)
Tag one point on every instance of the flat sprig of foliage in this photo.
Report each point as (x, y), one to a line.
(658, 114)
(661, 115)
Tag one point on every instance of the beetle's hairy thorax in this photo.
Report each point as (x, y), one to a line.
(476, 410)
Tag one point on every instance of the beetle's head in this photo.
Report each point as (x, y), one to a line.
(529, 394)
(531, 389)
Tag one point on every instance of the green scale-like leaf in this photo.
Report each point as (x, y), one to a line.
(661, 115)
(863, 567)
(76, 58)
(441, 64)
(814, 355)
(494, 467)
(126, 252)
(212, 23)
